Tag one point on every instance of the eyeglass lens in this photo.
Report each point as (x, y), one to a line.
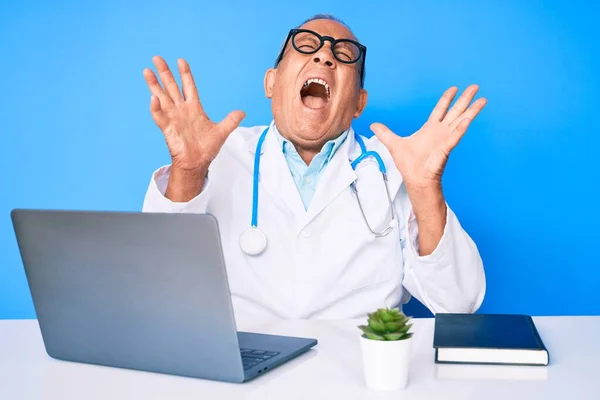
(344, 51)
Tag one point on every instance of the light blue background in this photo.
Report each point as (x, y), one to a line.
(77, 134)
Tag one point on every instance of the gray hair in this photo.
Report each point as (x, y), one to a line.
(331, 17)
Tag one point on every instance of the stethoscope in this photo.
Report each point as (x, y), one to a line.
(253, 241)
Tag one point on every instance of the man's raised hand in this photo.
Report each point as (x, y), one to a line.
(192, 138)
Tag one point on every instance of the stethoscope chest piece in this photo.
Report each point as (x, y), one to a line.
(253, 241)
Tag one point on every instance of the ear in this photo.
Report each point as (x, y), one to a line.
(361, 103)
(270, 82)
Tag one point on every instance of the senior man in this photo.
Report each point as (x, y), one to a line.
(317, 221)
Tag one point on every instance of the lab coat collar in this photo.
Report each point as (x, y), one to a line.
(277, 181)
(337, 177)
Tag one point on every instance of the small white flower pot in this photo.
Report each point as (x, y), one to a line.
(386, 363)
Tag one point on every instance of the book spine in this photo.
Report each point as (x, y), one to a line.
(538, 338)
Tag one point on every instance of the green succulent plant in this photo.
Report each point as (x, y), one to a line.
(387, 324)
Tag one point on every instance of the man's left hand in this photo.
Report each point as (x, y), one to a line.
(422, 157)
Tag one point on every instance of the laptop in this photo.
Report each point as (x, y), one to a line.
(141, 291)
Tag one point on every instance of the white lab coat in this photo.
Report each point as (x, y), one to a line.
(322, 262)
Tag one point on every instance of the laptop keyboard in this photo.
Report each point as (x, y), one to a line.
(252, 357)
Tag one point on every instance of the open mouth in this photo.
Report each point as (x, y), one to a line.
(315, 93)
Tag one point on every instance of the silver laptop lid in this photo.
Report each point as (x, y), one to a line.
(133, 290)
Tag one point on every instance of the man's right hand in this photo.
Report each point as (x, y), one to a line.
(192, 138)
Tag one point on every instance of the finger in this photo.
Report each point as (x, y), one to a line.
(471, 112)
(167, 79)
(461, 104)
(232, 121)
(156, 89)
(457, 134)
(385, 135)
(159, 116)
(190, 92)
(440, 109)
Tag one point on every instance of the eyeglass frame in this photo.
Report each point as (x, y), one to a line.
(362, 48)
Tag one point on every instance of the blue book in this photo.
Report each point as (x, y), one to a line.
(488, 339)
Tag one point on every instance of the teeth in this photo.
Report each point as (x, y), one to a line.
(319, 81)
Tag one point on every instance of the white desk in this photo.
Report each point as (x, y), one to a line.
(332, 370)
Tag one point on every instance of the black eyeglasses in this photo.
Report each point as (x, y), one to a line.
(346, 51)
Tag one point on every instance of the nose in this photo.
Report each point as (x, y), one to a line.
(325, 56)
(327, 62)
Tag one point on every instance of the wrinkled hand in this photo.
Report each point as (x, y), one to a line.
(422, 157)
(192, 138)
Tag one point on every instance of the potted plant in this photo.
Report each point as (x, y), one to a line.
(386, 347)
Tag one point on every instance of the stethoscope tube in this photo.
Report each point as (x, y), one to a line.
(256, 177)
(253, 241)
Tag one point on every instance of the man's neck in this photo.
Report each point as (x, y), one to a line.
(308, 153)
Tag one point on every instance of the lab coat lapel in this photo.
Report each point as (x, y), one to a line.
(274, 175)
(337, 177)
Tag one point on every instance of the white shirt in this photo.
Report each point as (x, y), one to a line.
(321, 262)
